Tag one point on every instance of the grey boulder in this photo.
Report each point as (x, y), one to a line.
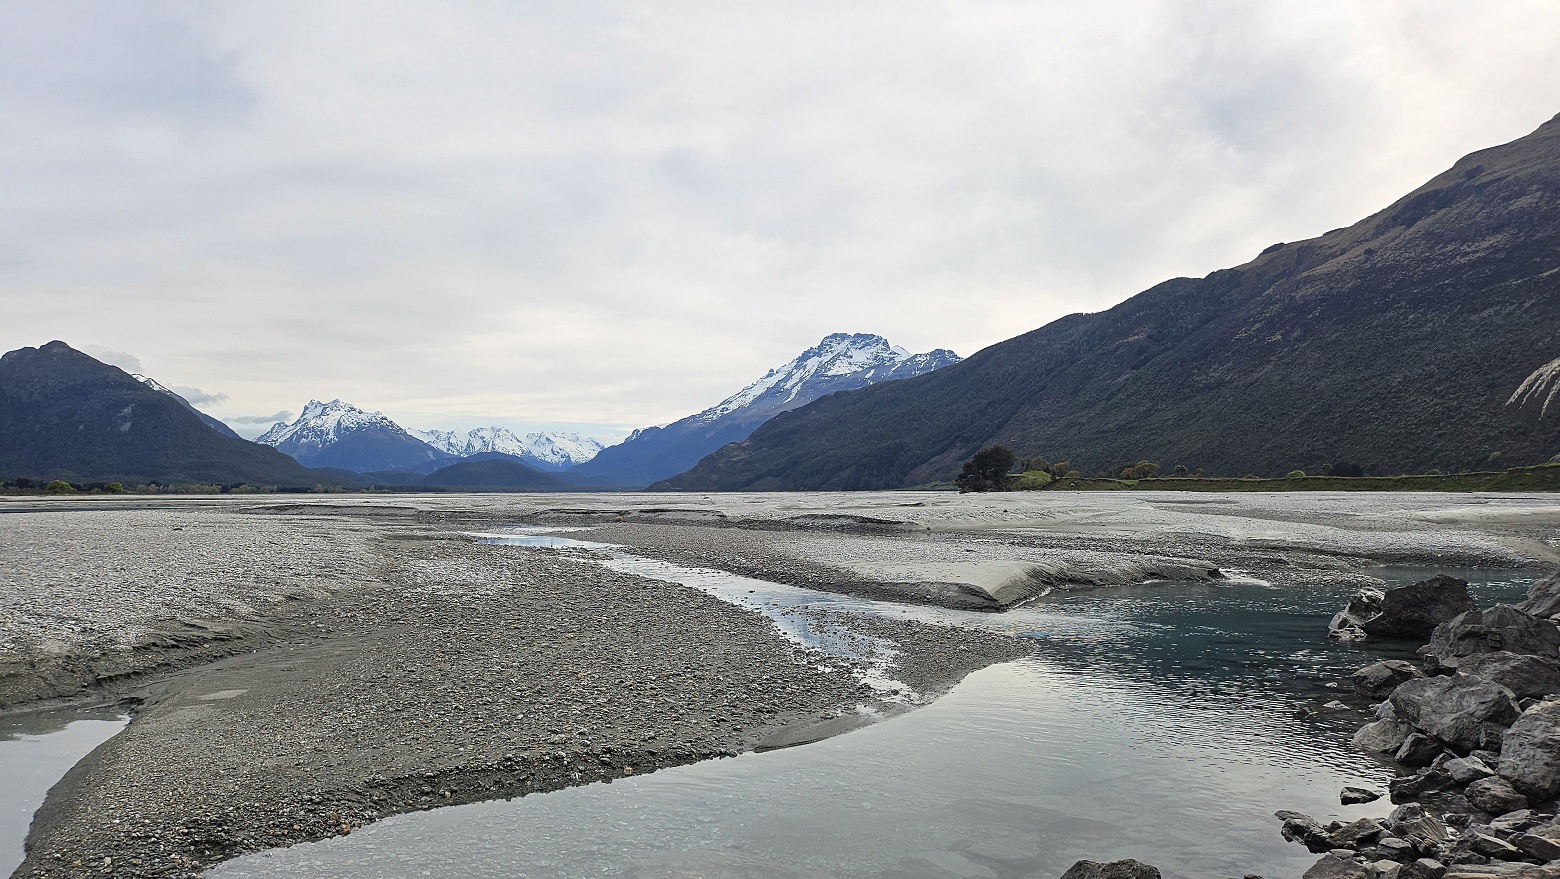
(1530, 752)
(1380, 678)
(1407, 612)
(1127, 869)
(1350, 796)
(1467, 770)
(1382, 736)
(1526, 676)
(1502, 627)
(1418, 750)
(1335, 867)
(1495, 795)
(1543, 598)
(1464, 713)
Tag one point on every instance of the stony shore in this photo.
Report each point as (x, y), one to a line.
(1475, 730)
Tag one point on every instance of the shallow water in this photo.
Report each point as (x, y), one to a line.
(1163, 722)
(36, 750)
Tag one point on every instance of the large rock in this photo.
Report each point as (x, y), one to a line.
(1304, 830)
(1502, 627)
(1495, 796)
(1334, 867)
(1467, 770)
(1407, 612)
(1382, 736)
(1380, 678)
(1408, 788)
(1527, 677)
(1465, 713)
(1543, 598)
(1530, 752)
(1421, 828)
(1127, 869)
(1418, 750)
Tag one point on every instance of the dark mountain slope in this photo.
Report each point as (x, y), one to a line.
(1396, 342)
(502, 472)
(64, 415)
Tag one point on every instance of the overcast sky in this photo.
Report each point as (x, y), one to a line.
(615, 214)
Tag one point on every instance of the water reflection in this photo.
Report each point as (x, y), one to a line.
(37, 749)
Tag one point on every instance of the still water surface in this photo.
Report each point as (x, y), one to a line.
(36, 750)
(1163, 722)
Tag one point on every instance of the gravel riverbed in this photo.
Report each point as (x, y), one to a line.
(439, 671)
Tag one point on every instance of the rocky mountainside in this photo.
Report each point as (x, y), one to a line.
(841, 362)
(542, 450)
(338, 434)
(65, 415)
(1424, 336)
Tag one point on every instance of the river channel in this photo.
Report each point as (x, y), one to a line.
(1164, 722)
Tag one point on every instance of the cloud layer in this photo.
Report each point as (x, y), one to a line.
(616, 214)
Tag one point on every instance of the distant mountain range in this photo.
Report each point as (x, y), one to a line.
(542, 450)
(1424, 336)
(841, 362)
(65, 415)
(338, 434)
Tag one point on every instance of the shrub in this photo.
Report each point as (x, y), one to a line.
(1140, 470)
(59, 486)
(114, 488)
(987, 471)
(1295, 474)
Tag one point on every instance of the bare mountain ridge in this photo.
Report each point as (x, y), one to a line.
(1399, 342)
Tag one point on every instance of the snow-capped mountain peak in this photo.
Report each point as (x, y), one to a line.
(321, 424)
(546, 449)
(857, 359)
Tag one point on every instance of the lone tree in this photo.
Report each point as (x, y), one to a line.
(987, 471)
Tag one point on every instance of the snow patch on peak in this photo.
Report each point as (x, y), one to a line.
(556, 450)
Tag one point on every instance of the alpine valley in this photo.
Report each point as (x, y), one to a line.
(841, 362)
(1422, 337)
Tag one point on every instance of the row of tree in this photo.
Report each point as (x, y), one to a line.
(995, 468)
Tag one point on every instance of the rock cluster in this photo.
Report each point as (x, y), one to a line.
(1406, 612)
(1477, 730)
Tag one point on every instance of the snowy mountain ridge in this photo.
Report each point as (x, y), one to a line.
(840, 362)
(322, 424)
(549, 449)
(858, 359)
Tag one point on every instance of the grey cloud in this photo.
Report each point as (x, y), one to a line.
(550, 213)
(126, 362)
(283, 415)
(196, 396)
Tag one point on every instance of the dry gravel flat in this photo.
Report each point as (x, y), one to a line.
(456, 672)
(92, 594)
